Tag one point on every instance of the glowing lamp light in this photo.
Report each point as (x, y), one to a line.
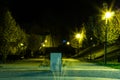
(43, 45)
(77, 36)
(45, 41)
(21, 44)
(109, 14)
(68, 43)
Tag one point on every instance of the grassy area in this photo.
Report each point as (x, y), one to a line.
(115, 65)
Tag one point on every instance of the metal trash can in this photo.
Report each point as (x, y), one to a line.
(56, 61)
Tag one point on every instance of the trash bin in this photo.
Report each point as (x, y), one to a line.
(56, 61)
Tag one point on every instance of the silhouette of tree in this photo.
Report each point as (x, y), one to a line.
(11, 34)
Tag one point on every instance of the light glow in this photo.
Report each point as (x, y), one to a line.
(45, 41)
(109, 14)
(77, 35)
(43, 45)
(21, 44)
(68, 43)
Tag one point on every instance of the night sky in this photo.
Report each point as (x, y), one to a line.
(58, 15)
(52, 12)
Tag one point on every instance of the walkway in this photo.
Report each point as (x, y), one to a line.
(72, 70)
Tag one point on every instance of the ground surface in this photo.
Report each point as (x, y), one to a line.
(72, 69)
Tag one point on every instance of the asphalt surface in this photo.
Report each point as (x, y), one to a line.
(72, 70)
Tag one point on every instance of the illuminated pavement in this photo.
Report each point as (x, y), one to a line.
(72, 70)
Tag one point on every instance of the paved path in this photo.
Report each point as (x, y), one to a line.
(72, 70)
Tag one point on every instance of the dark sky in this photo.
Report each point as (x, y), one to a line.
(28, 11)
(52, 11)
(52, 14)
(45, 10)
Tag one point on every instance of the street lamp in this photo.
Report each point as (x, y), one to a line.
(107, 17)
(78, 37)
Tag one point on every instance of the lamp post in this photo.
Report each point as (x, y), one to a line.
(78, 36)
(108, 15)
